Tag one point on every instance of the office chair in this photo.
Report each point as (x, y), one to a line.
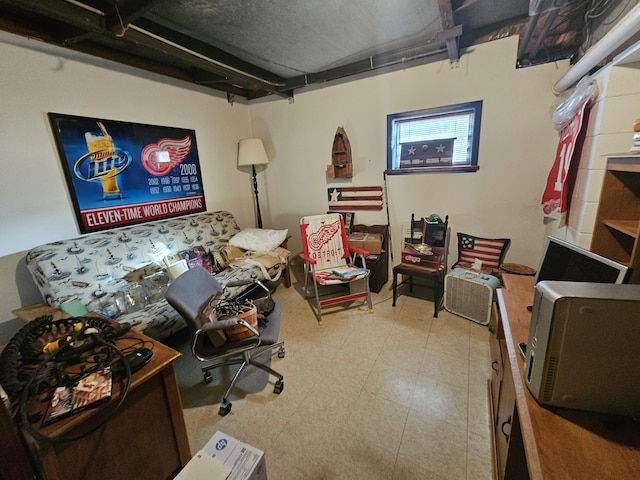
(189, 294)
(424, 256)
(330, 261)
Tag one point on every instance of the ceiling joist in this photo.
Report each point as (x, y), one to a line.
(451, 32)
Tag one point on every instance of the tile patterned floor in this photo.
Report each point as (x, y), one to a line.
(396, 394)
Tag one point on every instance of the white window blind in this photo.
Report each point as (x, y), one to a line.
(457, 125)
(435, 139)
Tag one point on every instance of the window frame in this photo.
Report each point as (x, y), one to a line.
(393, 145)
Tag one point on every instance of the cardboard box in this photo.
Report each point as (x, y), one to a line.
(203, 467)
(377, 264)
(427, 259)
(371, 242)
(246, 462)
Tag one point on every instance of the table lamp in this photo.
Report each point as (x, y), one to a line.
(251, 152)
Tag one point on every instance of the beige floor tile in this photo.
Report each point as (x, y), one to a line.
(436, 446)
(479, 458)
(432, 400)
(326, 451)
(350, 368)
(449, 343)
(479, 416)
(445, 368)
(330, 401)
(377, 421)
(391, 382)
(404, 348)
(406, 469)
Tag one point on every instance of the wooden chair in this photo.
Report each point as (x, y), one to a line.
(425, 256)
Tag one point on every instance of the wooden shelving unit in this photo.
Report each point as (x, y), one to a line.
(617, 230)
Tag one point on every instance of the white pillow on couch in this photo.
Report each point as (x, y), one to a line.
(259, 240)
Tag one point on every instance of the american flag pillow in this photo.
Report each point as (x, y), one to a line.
(488, 250)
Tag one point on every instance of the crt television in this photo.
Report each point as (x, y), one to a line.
(564, 261)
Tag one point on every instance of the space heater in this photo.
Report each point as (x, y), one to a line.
(470, 294)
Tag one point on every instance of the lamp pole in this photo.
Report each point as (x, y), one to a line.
(251, 152)
(255, 191)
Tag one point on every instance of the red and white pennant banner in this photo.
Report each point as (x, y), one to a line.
(355, 198)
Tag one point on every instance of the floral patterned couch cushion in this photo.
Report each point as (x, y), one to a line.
(98, 269)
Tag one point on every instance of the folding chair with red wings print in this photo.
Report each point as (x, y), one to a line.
(330, 261)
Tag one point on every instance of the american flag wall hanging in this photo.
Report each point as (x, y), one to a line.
(355, 198)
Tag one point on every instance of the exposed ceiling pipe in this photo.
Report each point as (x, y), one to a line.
(553, 14)
(620, 33)
(535, 7)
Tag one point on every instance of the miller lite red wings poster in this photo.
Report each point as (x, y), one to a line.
(121, 173)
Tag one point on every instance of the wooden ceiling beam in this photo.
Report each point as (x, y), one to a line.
(451, 32)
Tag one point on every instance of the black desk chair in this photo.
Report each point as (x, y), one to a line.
(189, 294)
(425, 256)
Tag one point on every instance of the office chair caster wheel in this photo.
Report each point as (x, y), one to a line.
(225, 408)
(281, 352)
(278, 387)
(207, 377)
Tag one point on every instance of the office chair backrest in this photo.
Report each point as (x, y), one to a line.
(324, 239)
(189, 292)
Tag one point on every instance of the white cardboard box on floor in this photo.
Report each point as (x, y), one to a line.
(246, 462)
(203, 467)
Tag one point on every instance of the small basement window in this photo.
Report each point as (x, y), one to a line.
(441, 139)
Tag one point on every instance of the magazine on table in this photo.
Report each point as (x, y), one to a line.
(89, 392)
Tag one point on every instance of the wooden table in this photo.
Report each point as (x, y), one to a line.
(559, 443)
(145, 439)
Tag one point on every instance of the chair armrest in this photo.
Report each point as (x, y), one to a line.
(359, 251)
(226, 323)
(307, 259)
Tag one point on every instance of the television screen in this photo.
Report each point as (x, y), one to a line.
(563, 261)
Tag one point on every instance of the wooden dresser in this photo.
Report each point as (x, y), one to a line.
(532, 441)
(145, 439)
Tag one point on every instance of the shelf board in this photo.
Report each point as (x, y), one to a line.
(628, 227)
(624, 162)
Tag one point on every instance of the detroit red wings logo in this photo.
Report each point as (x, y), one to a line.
(160, 158)
(324, 234)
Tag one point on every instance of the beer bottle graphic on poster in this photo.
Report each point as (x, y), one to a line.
(104, 165)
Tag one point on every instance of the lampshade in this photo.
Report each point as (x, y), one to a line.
(251, 152)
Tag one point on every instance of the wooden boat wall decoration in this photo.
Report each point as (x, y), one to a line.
(341, 166)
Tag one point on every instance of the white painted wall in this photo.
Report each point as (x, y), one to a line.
(517, 145)
(36, 78)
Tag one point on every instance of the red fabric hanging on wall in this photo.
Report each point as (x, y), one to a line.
(561, 180)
